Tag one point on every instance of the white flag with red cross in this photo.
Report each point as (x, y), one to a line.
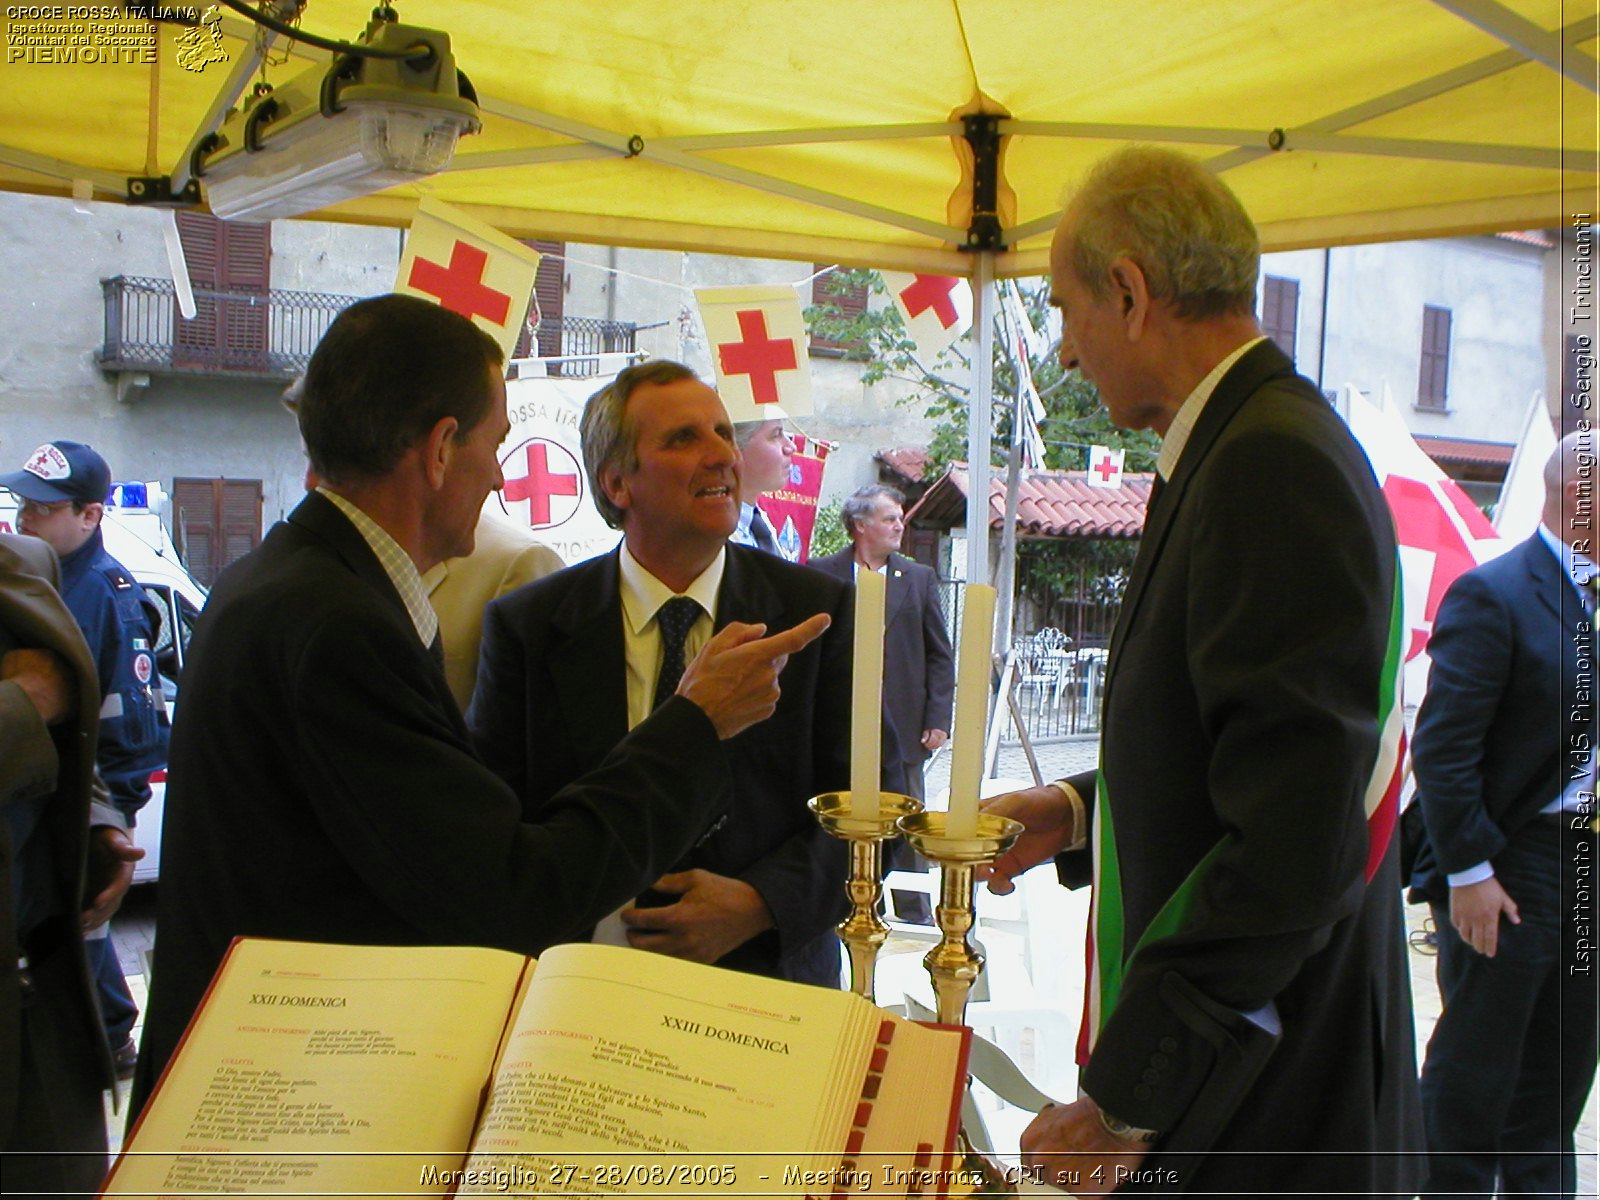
(1440, 531)
(469, 268)
(757, 335)
(937, 309)
(1105, 467)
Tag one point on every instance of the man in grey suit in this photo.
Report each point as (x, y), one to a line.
(918, 672)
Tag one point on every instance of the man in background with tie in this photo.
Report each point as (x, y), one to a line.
(572, 662)
(1505, 777)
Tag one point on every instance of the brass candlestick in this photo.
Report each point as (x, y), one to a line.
(863, 931)
(953, 963)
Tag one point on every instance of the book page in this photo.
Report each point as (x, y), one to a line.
(323, 1069)
(633, 1073)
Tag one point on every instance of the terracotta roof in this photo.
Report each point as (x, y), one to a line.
(1052, 504)
(1465, 450)
(908, 462)
(1528, 237)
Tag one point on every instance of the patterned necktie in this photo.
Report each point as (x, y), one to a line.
(762, 532)
(674, 619)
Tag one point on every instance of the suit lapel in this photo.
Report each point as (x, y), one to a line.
(898, 590)
(1246, 376)
(587, 659)
(320, 516)
(745, 593)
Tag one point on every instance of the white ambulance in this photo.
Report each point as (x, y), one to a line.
(136, 537)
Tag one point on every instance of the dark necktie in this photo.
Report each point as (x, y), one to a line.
(762, 533)
(674, 619)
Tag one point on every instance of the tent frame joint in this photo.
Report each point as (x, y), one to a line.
(982, 135)
(157, 190)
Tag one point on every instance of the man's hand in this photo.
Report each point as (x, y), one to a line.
(109, 873)
(734, 678)
(1077, 1152)
(44, 679)
(1475, 910)
(1048, 818)
(713, 914)
(932, 739)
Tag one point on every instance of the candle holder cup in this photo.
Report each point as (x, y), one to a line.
(953, 964)
(863, 931)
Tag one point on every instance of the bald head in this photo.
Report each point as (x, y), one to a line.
(1569, 488)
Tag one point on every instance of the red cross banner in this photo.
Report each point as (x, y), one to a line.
(937, 309)
(546, 491)
(1105, 467)
(1440, 531)
(758, 341)
(469, 268)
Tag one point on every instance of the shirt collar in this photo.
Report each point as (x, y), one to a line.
(1183, 423)
(643, 594)
(396, 564)
(1580, 568)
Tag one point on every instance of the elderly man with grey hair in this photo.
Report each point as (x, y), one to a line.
(1249, 1004)
(573, 662)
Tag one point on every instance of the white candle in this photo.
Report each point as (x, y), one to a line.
(866, 696)
(973, 667)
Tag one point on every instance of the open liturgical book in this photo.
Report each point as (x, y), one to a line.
(327, 1069)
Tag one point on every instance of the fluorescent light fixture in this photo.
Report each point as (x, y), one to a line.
(356, 126)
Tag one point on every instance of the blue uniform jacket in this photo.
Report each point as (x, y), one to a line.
(110, 607)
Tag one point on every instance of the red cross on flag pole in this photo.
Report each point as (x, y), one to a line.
(1440, 531)
(469, 268)
(937, 309)
(1105, 467)
(757, 336)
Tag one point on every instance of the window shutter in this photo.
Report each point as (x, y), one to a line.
(1280, 311)
(1433, 379)
(851, 302)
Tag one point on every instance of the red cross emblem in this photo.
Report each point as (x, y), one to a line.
(932, 291)
(1106, 468)
(758, 356)
(542, 481)
(460, 287)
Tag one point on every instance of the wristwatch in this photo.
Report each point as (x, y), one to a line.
(1124, 1132)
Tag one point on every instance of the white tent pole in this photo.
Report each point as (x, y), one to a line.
(978, 422)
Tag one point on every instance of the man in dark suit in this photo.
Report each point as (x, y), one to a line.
(572, 662)
(1505, 778)
(54, 1059)
(323, 786)
(918, 673)
(1250, 1016)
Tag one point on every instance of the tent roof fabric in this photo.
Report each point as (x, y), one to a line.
(824, 132)
(1051, 504)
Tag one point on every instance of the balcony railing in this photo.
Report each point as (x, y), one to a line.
(270, 335)
(260, 335)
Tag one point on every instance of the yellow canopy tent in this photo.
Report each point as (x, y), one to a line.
(830, 132)
(833, 132)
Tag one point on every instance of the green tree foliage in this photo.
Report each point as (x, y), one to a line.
(1054, 572)
(828, 535)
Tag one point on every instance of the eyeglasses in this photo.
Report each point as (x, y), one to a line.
(40, 509)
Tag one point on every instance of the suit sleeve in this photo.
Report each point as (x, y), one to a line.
(802, 878)
(1473, 653)
(29, 762)
(433, 832)
(497, 715)
(940, 665)
(1286, 603)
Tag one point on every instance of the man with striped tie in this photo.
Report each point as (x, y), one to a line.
(1249, 1016)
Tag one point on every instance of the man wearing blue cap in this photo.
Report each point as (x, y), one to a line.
(62, 490)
